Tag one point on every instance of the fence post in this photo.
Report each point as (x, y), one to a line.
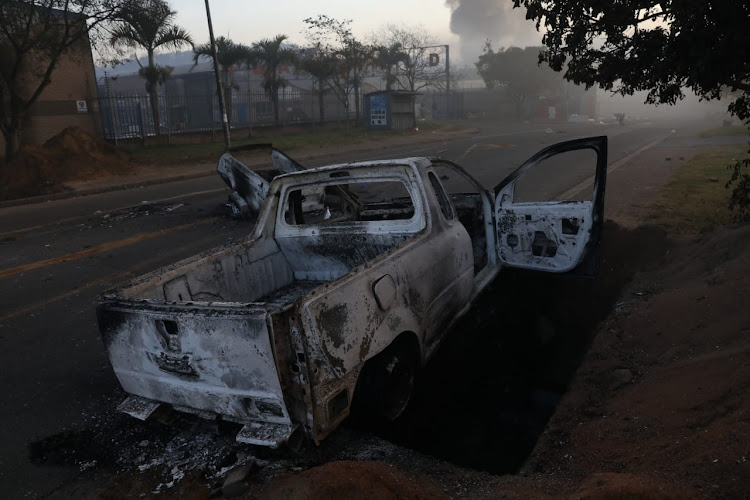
(167, 110)
(283, 110)
(250, 112)
(139, 116)
(211, 117)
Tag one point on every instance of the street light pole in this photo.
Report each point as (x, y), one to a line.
(219, 88)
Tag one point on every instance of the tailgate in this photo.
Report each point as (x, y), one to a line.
(211, 358)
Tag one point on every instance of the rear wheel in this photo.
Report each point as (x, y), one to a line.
(387, 381)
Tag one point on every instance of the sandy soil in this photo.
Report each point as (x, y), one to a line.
(663, 390)
(71, 155)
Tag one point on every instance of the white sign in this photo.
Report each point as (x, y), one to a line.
(82, 107)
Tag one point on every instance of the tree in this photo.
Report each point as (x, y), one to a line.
(34, 35)
(149, 24)
(413, 72)
(270, 54)
(660, 46)
(228, 54)
(316, 63)
(516, 71)
(387, 58)
(348, 57)
(355, 57)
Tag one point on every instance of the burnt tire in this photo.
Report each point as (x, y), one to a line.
(298, 442)
(387, 381)
(238, 207)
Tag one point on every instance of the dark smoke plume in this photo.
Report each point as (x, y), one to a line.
(478, 20)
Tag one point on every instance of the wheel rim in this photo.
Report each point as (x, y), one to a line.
(398, 384)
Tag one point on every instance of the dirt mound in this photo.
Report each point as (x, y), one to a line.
(611, 486)
(499, 376)
(372, 480)
(71, 155)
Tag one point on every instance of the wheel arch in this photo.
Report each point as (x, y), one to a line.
(367, 397)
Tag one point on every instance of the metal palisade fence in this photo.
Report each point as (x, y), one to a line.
(125, 116)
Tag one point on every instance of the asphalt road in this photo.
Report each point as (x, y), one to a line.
(55, 257)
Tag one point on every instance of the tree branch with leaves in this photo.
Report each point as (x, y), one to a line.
(347, 58)
(662, 47)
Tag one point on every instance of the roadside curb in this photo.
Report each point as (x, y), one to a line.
(106, 189)
(75, 193)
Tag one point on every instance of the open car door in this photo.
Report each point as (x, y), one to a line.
(554, 236)
(249, 188)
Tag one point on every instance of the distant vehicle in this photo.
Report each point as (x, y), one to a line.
(351, 278)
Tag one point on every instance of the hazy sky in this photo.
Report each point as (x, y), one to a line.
(251, 20)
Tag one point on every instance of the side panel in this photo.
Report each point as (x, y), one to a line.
(416, 287)
(352, 320)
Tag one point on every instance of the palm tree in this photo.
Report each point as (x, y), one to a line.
(271, 55)
(228, 54)
(149, 24)
(356, 57)
(388, 56)
(318, 64)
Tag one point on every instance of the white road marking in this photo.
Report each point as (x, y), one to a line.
(572, 192)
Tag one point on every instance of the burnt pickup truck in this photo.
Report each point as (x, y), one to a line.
(353, 275)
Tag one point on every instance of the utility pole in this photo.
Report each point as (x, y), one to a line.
(447, 69)
(219, 88)
(434, 61)
(448, 79)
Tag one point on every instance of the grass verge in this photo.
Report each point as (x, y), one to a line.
(289, 140)
(697, 198)
(725, 131)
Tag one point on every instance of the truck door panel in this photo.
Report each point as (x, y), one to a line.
(556, 236)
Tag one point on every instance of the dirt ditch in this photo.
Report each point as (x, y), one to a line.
(487, 395)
